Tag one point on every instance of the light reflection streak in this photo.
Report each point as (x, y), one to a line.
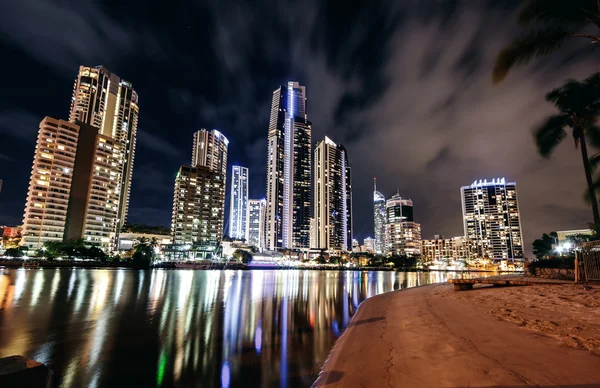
(20, 283)
(38, 284)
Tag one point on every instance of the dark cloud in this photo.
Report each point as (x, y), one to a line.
(19, 124)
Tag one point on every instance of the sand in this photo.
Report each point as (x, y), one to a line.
(542, 335)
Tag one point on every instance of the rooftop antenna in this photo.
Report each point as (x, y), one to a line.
(375, 184)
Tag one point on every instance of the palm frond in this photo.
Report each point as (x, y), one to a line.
(523, 49)
(592, 134)
(579, 98)
(550, 134)
(595, 161)
(558, 11)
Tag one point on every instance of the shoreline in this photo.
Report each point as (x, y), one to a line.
(433, 336)
(221, 266)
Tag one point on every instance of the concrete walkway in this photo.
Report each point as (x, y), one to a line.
(420, 337)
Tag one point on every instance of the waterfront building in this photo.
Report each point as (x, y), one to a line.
(198, 203)
(332, 197)
(442, 249)
(110, 104)
(369, 244)
(75, 186)
(403, 234)
(238, 209)
(257, 223)
(355, 245)
(289, 170)
(491, 219)
(210, 150)
(379, 216)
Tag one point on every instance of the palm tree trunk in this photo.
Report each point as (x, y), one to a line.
(588, 178)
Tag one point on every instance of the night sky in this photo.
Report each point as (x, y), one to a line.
(407, 89)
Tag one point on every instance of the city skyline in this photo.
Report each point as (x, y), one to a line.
(371, 107)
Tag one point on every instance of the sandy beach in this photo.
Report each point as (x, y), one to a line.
(541, 335)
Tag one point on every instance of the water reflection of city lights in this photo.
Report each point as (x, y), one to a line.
(225, 375)
(191, 327)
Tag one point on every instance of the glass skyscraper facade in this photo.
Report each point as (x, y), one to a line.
(238, 209)
(289, 169)
(379, 218)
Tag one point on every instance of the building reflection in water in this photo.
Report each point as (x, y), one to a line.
(181, 328)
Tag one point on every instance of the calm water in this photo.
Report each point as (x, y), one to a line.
(113, 328)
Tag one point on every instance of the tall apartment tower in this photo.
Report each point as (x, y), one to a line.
(210, 150)
(256, 223)
(105, 101)
(332, 197)
(403, 234)
(379, 218)
(491, 218)
(289, 169)
(74, 191)
(199, 195)
(238, 210)
(198, 201)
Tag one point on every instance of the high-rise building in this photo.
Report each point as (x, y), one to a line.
(50, 183)
(379, 217)
(332, 197)
(238, 210)
(199, 196)
(491, 218)
(369, 244)
(198, 201)
(210, 150)
(289, 169)
(256, 223)
(403, 234)
(105, 101)
(75, 186)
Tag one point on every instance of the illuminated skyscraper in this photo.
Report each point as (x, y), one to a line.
(256, 223)
(210, 150)
(403, 234)
(199, 196)
(238, 210)
(379, 218)
(198, 202)
(491, 218)
(289, 169)
(332, 197)
(103, 100)
(74, 189)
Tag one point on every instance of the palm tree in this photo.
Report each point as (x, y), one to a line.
(556, 21)
(578, 104)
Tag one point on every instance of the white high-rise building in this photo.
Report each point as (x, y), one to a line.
(110, 104)
(491, 218)
(238, 210)
(332, 197)
(50, 183)
(289, 169)
(379, 217)
(256, 223)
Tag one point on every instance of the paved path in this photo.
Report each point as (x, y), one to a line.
(421, 338)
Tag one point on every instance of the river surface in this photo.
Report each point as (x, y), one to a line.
(185, 328)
